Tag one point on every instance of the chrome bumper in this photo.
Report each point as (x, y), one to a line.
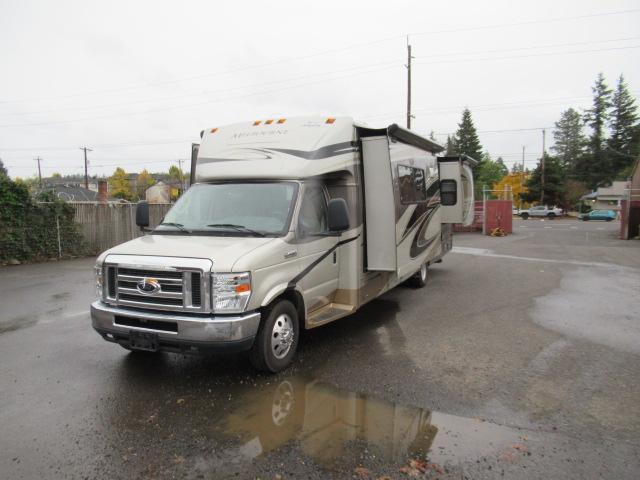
(177, 332)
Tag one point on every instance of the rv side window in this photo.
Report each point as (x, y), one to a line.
(412, 184)
(448, 192)
(312, 219)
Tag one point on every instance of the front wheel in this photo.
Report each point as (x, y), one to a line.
(551, 215)
(419, 279)
(525, 216)
(277, 339)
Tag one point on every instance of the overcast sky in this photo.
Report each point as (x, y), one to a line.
(137, 81)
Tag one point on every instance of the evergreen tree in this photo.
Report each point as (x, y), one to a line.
(467, 141)
(594, 169)
(119, 184)
(623, 124)
(3, 170)
(570, 142)
(554, 183)
(516, 167)
(503, 168)
(451, 147)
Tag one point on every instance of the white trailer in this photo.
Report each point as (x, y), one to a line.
(291, 223)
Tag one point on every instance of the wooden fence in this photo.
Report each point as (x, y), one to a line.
(109, 224)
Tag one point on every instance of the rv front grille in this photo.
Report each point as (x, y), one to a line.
(196, 296)
(170, 293)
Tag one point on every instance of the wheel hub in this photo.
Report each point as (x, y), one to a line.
(282, 336)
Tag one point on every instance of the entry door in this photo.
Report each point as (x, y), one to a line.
(380, 213)
(318, 248)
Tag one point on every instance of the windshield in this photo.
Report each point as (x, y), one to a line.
(256, 209)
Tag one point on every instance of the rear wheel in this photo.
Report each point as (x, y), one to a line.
(277, 339)
(584, 219)
(419, 279)
(609, 219)
(551, 215)
(524, 216)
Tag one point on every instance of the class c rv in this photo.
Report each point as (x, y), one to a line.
(289, 224)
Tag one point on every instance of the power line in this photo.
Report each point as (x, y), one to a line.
(332, 51)
(533, 47)
(199, 104)
(511, 57)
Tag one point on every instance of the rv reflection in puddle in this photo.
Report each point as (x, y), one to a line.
(336, 428)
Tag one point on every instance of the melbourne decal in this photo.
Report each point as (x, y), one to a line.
(237, 154)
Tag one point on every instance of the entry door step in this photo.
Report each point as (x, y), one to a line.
(330, 312)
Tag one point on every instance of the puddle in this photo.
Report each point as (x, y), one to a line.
(598, 305)
(340, 429)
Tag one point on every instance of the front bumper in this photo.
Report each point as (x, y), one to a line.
(176, 332)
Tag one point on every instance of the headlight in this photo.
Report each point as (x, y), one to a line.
(97, 270)
(230, 291)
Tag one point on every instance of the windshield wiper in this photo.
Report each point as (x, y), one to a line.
(240, 228)
(177, 225)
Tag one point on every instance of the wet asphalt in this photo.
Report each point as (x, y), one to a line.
(520, 359)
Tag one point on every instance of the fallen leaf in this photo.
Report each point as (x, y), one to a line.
(180, 401)
(178, 459)
(362, 472)
(418, 464)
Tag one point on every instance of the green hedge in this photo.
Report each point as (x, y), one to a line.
(28, 229)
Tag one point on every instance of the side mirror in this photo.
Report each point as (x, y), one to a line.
(142, 214)
(338, 215)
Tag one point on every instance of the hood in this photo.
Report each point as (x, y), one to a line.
(223, 251)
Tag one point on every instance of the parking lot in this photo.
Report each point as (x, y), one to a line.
(519, 359)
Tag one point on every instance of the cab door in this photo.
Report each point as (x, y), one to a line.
(318, 247)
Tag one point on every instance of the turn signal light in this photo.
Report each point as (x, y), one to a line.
(330, 120)
(214, 130)
(243, 287)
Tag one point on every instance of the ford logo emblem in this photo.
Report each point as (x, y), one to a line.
(148, 286)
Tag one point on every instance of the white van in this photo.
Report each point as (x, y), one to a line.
(290, 224)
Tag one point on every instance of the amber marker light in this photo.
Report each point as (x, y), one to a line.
(243, 287)
(256, 123)
(214, 130)
(282, 120)
(330, 120)
(268, 122)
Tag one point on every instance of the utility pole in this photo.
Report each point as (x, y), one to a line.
(544, 137)
(39, 172)
(86, 175)
(408, 65)
(521, 180)
(181, 175)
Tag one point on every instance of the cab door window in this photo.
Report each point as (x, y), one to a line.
(312, 219)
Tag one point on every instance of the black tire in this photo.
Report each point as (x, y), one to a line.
(263, 355)
(551, 215)
(584, 219)
(524, 215)
(419, 279)
(609, 219)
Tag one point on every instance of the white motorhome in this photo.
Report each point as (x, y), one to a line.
(290, 224)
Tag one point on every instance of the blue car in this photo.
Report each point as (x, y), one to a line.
(606, 215)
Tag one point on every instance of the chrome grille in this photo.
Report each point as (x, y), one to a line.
(171, 287)
(180, 289)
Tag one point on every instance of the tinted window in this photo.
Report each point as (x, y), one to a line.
(313, 212)
(412, 184)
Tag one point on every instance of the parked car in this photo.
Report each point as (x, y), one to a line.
(606, 215)
(541, 211)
